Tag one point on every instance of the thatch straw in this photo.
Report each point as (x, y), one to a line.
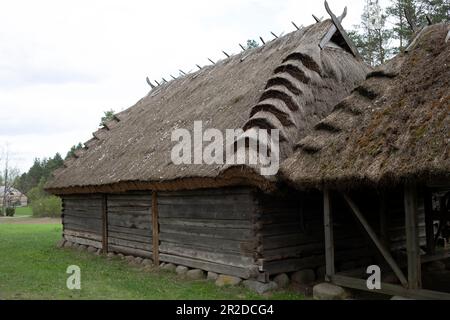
(394, 127)
(133, 151)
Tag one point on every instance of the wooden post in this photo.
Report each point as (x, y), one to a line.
(155, 228)
(429, 220)
(384, 251)
(412, 236)
(329, 240)
(104, 224)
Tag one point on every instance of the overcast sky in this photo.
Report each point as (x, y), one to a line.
(62, 63)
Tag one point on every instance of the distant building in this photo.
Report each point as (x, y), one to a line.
(14, 198)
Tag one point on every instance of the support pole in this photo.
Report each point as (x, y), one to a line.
(329, 240)
(429, 221)
(384, 251)
(155, 229)
(412, 236)
(104, 224)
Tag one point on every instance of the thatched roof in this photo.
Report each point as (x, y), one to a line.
(395, 126)
(289, 82)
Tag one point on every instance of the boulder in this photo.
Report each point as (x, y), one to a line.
(195, 274)
(129, 258)
(99, 252)
(61, 243)
(147, 262)
(282, 280)
(304, 276)
(169, 267)
(138, 260)
(212, 276)
(181, 270)
(68, 244)
(91, 249)
(82, 247)
(328, 291)
(260, 287)
(110, 254)
(120, 255)
(225, 280)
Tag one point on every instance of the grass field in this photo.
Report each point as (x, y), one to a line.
(31, 267)
(23, 211)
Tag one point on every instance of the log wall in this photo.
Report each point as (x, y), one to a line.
(130, 223)
(210, 229)
(82, 219)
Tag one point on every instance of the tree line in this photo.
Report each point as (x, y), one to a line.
(384, 32)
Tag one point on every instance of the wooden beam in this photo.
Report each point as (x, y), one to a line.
(155, 228)
(412, 236)
(332, 30)
(390, 289)
(338, 26)
(104, 223)
(329, 240)
(428, 198)
(383, 250)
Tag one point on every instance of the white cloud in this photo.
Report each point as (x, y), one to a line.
(62, 63)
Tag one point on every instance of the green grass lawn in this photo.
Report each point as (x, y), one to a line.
(31, 267)
(23, 211)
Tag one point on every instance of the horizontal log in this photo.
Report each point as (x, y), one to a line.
(139, 232)
(83, 241)
(217, 233)
(89, 223)
(130, 244)
(206, 255)
(130, 251)
(245, 273)
(130, 237)
(83, 234)
(205, 199)
(207, 223)
(207, 242)
(206, 211)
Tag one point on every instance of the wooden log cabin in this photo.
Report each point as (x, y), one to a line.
(382, 157)
(122, 193)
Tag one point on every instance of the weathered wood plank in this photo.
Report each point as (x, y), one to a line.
(206, 255)
(84, 241)
(218, 233)
(329, 240)
(130, 244)
(104, 224)
(390, 289)
(82, 234)
(207, 211)
(155, 228)
(290, 265)
(124, 230)
(207, 223)
(131, 237)
(208, 266)
(130, 251)
(412, 237)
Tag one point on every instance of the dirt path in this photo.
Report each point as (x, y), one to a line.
(29, 220)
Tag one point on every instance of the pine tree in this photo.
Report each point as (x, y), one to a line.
(372, 37)
(401, 30)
